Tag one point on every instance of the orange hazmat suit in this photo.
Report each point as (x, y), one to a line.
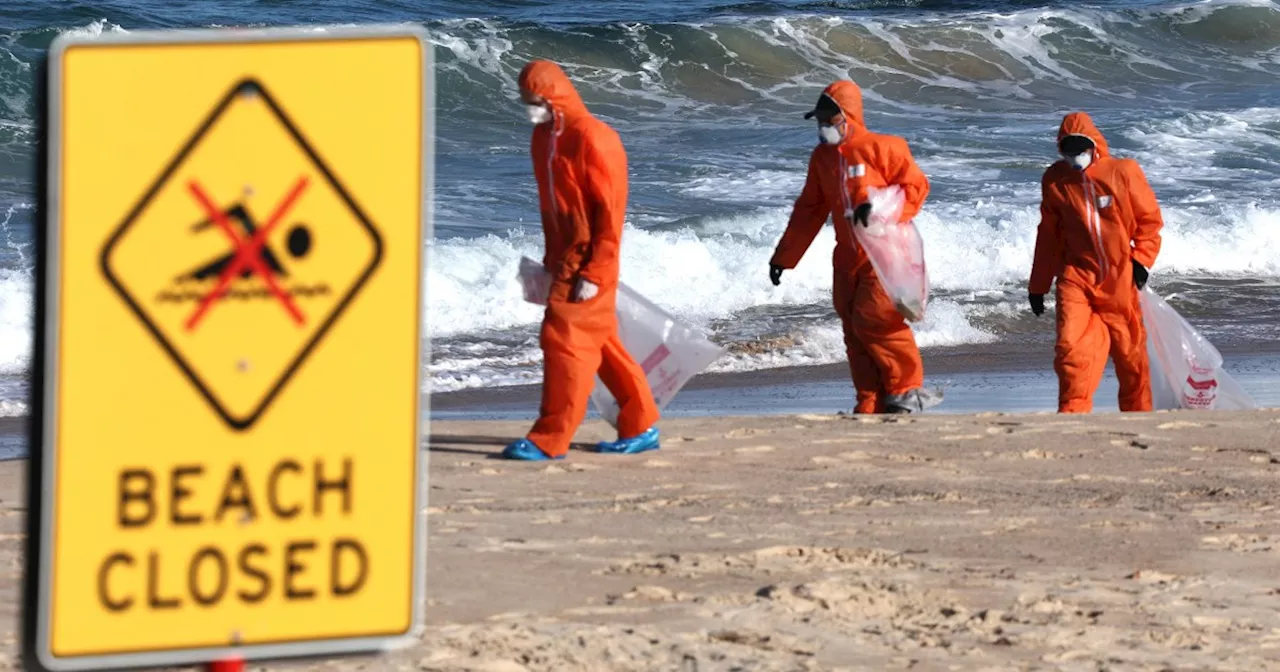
(884, 360)
(581, 170)
(1094, 223)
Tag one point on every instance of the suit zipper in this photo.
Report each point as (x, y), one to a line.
(1094, 223)
(844, 197)
(556, 130)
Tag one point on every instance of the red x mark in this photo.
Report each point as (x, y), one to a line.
(248, 252)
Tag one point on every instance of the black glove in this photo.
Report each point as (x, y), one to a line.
(1140, 274)
(1037, 303)
(775, 274)
(862, 214)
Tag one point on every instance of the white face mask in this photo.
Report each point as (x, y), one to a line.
(538, 114)
(1080, 161)
(828, 135)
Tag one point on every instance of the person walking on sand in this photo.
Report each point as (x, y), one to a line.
(883, 357)
(581, 170)
(1099, 234)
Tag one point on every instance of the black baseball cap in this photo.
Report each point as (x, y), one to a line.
(1075, 144)
(825, 107)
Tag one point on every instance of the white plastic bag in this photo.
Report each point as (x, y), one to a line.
(669, 350)
(896, 252)
(1186, 370)
(535, 281)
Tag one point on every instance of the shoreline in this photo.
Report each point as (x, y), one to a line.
(1001, 378)
(1008, 378)
(1004, 357)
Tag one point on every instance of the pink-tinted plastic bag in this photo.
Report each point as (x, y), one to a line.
(1186, 370)
(896, 252)
(669, 350)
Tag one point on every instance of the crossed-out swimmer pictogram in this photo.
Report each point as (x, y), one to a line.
(247, 251)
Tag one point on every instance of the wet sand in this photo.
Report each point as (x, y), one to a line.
(1007, 379)
(820, 542)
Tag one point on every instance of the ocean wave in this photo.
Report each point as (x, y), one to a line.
(921, 60)
(985, 90)
(947, 59)
(500, 366)
(968, 248)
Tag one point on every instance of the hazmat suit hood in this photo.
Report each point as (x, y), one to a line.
(546, 79)
(1079, 123)
(848, 97)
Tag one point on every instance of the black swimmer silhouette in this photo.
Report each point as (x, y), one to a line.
(297, 243)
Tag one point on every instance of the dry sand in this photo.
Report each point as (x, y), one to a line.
(1135, 542)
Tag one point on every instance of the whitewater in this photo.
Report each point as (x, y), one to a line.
(708, 98)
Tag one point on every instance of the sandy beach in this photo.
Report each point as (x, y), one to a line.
(997, 542)
(825, 542)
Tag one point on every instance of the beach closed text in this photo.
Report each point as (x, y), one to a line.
(191, 496)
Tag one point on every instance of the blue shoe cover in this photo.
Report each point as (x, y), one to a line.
(636, 444)
(524, 449)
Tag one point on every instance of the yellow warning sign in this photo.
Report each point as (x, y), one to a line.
(276, 242)
(232, 335)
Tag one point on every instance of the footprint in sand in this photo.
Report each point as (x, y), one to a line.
(863, 419)
(744, 432)
(654, 594)
(1181, 424)
(1012, 524)
(591, 611)
(1111, 525)
(856, 501)
(907, 457)
(1240, 543)
(1155, 576)
(1103, 478)
(842, 458)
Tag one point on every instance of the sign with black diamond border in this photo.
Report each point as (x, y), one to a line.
(229, 395)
